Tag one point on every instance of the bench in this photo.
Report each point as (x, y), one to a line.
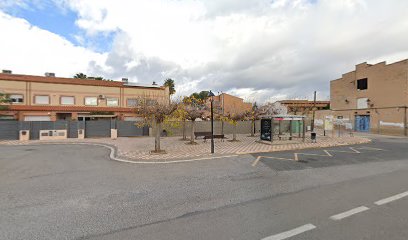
(202, 134)
(219, 136)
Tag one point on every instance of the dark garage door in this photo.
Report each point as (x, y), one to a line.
(97, 128)
(9, 130)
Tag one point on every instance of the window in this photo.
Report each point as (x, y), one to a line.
(91, 101)
(112, 102)
(362, 84)
(16, 98)
(151, 102)
(362, 103)
(42, 99)
(133, 102)
(66, 100)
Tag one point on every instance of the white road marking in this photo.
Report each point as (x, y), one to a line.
(349, 213)
(256, 161)
(371, 148)
(327, 152)
(392, 198)
(291, 233)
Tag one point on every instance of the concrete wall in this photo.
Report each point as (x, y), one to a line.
(243, 127)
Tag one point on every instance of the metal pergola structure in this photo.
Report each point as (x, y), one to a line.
(268, 123)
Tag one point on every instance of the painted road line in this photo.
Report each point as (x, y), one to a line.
(291, 233)
(371, 148)
(278, 158)
(349, 213)
(256, 161)
(392, 198)
(327, 152)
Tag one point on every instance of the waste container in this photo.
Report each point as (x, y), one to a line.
(313, 136)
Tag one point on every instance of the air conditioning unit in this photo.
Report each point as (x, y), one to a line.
(49, 74)
(101, 97)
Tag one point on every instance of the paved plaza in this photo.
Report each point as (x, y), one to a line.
(138, 149)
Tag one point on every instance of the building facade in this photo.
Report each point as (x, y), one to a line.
(228, 104)
(373, 98)
(49, 98)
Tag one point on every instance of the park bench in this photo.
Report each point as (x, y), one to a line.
(219, 136)
(202, 134)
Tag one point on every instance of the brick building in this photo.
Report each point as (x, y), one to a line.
(373, 98)
(228, 104)
(50, 98)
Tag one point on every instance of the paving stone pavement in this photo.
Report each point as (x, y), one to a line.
(138, 148)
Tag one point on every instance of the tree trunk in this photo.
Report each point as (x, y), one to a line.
(253, 128)
(184, 130)
(192, 132)
(234, 135)
(157, 139)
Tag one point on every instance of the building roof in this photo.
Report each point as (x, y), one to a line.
(69, 108)
(75, 81)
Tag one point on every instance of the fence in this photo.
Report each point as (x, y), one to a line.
(9, 129)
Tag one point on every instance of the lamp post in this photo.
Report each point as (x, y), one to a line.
(211, 95)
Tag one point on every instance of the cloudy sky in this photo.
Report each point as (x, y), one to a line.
(261, 50)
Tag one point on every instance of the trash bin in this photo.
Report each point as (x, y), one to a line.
(313, 136)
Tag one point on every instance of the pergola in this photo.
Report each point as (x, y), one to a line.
(270, 122)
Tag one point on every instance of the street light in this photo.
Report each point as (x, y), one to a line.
(211, 95)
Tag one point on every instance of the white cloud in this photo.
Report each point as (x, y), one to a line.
(28, 49)
(259, 49)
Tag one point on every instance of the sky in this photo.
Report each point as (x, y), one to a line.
(260, 50)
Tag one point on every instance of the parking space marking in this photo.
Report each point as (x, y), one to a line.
(291, 233)
(328, 153)
(392, 198)
(349, 213)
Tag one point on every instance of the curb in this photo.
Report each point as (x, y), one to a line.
(113, 150)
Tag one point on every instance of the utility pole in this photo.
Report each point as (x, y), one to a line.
(314, 109)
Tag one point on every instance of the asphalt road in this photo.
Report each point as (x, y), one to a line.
(77, 192)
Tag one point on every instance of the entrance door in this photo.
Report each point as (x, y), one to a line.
(362, 123)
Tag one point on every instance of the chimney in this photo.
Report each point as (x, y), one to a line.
(125, 80)
(49, 74)
(7, 71)
(154, 84)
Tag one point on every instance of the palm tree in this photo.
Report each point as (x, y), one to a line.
(170, 83)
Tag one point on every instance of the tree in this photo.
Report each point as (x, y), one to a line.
(194, 108)
(4, 99)
(157, 114)
(233, 119)
(181, 115)
(170, 83)
(275, 108)
(80, 76)
(203, 95)
(254, 115)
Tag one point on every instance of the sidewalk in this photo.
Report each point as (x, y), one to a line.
(138, 149)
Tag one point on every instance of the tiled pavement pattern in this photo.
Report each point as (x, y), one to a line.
(138, 149)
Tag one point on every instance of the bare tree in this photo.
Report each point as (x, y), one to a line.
(194, 109)
(233, 119)
(156, 113)
(275, 108)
